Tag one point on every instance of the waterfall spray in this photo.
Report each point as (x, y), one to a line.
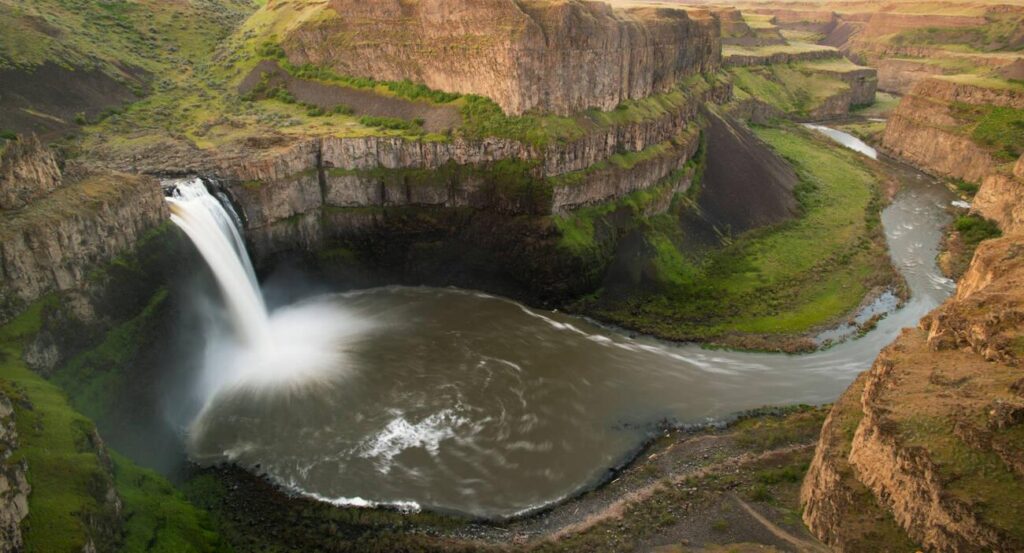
(212, 229)
(295, 346)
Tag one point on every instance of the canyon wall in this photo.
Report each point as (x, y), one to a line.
(67, 224)
(927, 131)
(14, 487)
(925, 449)
(560, 57)
(931, 431)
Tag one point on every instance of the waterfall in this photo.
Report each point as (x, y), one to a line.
(214, 232)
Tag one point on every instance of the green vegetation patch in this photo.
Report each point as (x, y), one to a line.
(979, 478)
(92, 379)
(771, 49)
(997, 128)
(69, 472)
(158, 517)
(793, 89)
(884, 104)
(56, 443)
(975, 229)
(785, 280)
(1002, 32)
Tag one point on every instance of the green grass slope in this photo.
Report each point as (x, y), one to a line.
(69, 471)
(783, 280)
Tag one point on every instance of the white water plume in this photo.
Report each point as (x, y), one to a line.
(294, 346)
(213, 232)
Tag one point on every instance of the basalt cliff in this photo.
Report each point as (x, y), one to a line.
(560, 57)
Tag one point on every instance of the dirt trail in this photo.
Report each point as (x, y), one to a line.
(436, 118)
(803, 546)
(618, 507)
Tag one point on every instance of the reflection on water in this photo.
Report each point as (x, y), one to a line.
(462, 401)
(846, 139)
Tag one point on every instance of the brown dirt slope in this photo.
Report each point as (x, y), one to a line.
(46, 100)
(762, 174)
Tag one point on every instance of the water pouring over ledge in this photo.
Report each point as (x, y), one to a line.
(257, 351)
(212, 230)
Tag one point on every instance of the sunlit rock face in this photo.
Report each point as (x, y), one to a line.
(553, 56)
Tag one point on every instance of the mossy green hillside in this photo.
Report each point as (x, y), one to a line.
(1000, 129)
(118, 38)
(1003, 31)
(796, 89)
(785, 280)
(67, 469)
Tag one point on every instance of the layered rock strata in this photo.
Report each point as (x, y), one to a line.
(559, 57)
(27, 171)
(926, 130)
(935, 433)
(745, 58)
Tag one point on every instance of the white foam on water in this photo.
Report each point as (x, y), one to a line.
(400, 435)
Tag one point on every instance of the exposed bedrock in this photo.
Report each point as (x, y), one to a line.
(14, 487)
(561, 57)
(28, 171)
(1001, 198)
(933, 432)
(777, 58)
(736, 31)
(926, 130)
(67, 224)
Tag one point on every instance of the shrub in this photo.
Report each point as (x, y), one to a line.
(391, 123)
(975, 229)
(80, 118)
(342, 109)
(270, 49)
(416, 91)
(761, 493)
(968, 188)
(282, 94)
(8, 135)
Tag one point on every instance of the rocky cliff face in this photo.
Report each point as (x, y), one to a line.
(935, 433)
(776, 58)
(284, 193)
(562, 57)
(52, 243)
(924, 128)
(1001, 198)
(28, 171)
(14, 488)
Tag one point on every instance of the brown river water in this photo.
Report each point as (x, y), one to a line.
(460, 401)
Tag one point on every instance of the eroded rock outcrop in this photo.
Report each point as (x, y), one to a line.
(14, 487)
(28, 171)
(561, 57)
(52, 243)
(1001, 199)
